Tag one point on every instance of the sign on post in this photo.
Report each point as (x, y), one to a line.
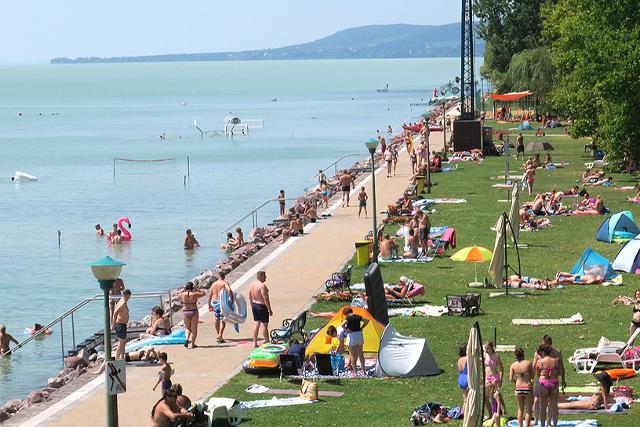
(115, 377)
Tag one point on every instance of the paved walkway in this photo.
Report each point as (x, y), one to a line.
(294, 273)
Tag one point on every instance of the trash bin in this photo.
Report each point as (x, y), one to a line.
(362, 252)
(420, 182)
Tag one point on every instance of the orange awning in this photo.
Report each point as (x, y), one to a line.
(512, 96)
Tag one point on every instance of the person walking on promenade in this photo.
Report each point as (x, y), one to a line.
(189, 298)
(214, 304)
(260, 307)
(6, 339)
(282, 201)
(362, 202)
(388, 158)
(354, 324)
(164, 374)
(120, 320)
(346, 182)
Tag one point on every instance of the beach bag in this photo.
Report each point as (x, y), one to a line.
(309, 390)
(623, 391)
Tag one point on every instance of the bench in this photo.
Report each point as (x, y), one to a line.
(340, 281)
(289, 328)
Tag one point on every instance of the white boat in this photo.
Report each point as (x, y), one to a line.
(20, 176)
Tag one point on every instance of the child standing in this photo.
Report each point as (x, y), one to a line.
(362, 202)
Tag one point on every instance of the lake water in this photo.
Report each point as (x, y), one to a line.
(76, 118)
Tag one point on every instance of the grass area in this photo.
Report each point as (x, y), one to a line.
(383, 402)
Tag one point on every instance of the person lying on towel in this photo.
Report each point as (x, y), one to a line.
(526, 282)
(578, 279)
(599, 398)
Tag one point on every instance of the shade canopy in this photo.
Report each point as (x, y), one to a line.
(472, 254)
(106, 268)
(537, 146)
(511, 96)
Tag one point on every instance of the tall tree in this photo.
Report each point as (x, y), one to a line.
(508, 27)
(597, 56)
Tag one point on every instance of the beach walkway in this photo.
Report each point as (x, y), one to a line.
(295, 271)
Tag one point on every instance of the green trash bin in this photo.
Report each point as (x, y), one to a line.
(362, 252)
(420, 182)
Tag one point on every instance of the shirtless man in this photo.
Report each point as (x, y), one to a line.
(213, 302)
(556, 354)
(260, 306)
(99, 231)
(163, 413)
(240, 237)
(190, 241)
(345, 186)
(119, 320)
(362, 202)
(5, 340)
(115, 293)
(413, 244)
(295, 227)
(117, 239)
(311, 214)
(424, 226)
(282, 201)
(388, 248)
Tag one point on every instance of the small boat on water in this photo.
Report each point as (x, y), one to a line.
(20, 176)
(384, 89)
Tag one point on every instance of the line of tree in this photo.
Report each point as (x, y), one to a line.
(581, 57)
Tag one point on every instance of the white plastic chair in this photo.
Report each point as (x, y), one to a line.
(585, 363)
(222, 407)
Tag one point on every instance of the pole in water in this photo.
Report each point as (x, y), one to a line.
(59, 234)
(188, 167)
(184, 180)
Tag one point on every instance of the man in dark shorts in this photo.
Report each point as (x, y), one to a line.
(345, 185)
(282, 201)
(119, 320)
(260, 306)
(519, 146)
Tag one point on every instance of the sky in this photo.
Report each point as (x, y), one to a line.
(34, 31)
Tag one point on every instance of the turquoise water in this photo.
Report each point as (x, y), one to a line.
(325, 109)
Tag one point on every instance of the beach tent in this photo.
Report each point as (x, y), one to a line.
(401, 356)
(628, 258)
(496, 266)
(618, 227)
(321, 343)
(594, 263)
(525, 126)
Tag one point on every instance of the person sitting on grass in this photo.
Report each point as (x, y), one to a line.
(599, 398)
(414, 245)
(388, 248)
(592, 176)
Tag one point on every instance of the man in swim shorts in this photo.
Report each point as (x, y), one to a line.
(214, 303)
(5, 340)
(362, 202)
(119, 320)
(260, 306)
(345, 186)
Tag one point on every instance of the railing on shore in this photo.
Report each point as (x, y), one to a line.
(335, 163)
(253, 214)
(70, 313)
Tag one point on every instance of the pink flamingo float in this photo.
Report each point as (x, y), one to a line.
(126, 236)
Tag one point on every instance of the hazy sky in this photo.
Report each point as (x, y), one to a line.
(37, 30)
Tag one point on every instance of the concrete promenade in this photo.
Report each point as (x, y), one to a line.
(295, 272)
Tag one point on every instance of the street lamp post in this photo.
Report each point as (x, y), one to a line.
(106, 270)
(425, 135)
(372, 145)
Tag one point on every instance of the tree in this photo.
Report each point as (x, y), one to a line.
(596, 53)
(530, 69)
(508, 27)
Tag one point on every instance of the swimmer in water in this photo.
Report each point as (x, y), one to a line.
(113, 233)
(99, 231)
(190, 241)
(5, 340)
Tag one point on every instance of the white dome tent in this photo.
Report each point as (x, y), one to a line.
(401, 356)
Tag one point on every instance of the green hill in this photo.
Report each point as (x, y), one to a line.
(373, 41)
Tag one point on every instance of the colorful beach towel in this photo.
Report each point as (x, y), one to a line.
(409, 260)
(576, 319)
(421, 311)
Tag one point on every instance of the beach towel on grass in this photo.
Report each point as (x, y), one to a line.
(423, 259)
(502, 185)
(576, 319)
(447, 200)
(423, 310)
(562, 423)
(590, 411)
(276, 401)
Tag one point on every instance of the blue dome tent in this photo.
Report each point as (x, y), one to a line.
(628, 259)
(620, 227)
(591, 262)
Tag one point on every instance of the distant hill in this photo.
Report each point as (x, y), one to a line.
(373, 41)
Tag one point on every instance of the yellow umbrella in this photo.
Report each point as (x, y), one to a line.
(474, 254)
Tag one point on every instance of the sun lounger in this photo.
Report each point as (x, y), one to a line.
(576, 319)
(585, 360)
(221, 407)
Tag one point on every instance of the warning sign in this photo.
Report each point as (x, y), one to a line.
(115, 377)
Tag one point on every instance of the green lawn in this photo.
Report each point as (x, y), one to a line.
(383, 402)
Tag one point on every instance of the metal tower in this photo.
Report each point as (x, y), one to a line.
(467, 81)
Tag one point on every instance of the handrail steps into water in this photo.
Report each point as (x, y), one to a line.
(75, 308)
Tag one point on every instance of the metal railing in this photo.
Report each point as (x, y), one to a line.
(335, 163)
(253, 214)
(70, 313)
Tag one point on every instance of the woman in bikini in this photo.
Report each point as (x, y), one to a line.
(159, 325)
(493, 372)
(599, 398)
(463, 379)
(521, 374)
(635, 314)
(547, 367)
(189, 298)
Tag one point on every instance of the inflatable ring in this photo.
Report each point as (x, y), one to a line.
(273, 348)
